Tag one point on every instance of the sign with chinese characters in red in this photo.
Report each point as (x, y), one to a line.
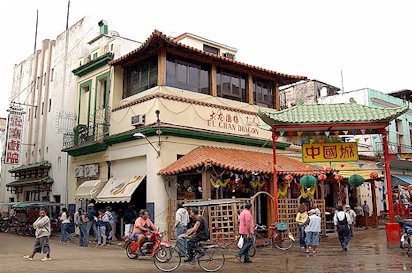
(14, 136)
(326, 152)
(246, 124)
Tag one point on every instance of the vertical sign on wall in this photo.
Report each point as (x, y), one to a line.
(14, 136)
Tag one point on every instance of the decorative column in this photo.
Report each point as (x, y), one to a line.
(275, 178)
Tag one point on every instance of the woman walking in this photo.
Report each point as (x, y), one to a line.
(65, 224)
(42, 226)
(84, 241)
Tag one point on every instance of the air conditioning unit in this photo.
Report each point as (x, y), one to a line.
(138, 120)
(229, 55)
(91, 170)
(79, 171)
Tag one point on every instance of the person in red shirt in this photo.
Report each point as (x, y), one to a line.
(142, 227)
(246, 228)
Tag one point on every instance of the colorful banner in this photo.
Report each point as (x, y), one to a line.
(14, 136)
(327, 152)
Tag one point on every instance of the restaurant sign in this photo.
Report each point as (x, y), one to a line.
(327, 152)
(248, 124)
(14, 136)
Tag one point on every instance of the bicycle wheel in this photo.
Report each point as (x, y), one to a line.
(212, 261)
(166, 259)
(130, 253)
(282, 240)
(252, 251)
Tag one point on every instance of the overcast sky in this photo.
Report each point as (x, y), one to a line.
(369, 41)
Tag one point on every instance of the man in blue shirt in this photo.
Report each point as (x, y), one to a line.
(91, 217)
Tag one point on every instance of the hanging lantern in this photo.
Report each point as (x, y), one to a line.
(356, 180)
(321, 177)
(338, 177)
(288, 178)
(374, 175)
(307, 181)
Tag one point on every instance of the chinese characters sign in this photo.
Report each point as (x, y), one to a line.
(14, 135)
(247, 124)
(345, 151)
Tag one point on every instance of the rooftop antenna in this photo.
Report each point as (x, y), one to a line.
(35, 34)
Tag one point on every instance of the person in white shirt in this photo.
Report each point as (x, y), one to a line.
(312, 231)
(65, 224)
(182, 220)
(342, 221)
(352, 215)
(76, 217)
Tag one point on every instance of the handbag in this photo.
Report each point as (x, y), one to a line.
(240, 242)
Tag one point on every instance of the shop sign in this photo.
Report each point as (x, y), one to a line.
(327, 152)
(248, 124)
(14, 136)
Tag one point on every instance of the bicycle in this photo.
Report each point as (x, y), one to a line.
(209, 257)
(278, 237)
(406, 235)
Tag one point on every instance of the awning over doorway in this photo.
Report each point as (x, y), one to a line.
(237, 160)
(89, 189)
(401, 180)
(119, 189)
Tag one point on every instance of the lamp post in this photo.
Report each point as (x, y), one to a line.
(140, 135)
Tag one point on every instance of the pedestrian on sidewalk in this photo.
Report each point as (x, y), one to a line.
(42, 226)
(76, 219)
(246, 229)
(181, 222)
(102, 221)
(83, 236)
(65, 224)
(112, 222)
(91, 216)
(129, 217)
(342, 221)
(301, 220)
(312, 231)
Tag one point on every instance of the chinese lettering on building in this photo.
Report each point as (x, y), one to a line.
(14, 136)
(345, 151)
(247, 124)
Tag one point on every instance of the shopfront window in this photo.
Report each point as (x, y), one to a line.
(187, 74)
(189, 187)
(231, 85)
(140, 77)
(263, 92)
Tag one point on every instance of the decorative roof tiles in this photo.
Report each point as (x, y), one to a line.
(236, 160)
(158, 38)
(332, 114)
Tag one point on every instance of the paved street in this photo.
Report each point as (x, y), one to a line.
(367, 253)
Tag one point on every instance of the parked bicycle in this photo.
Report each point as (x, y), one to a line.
(208, 256)
(277, 236)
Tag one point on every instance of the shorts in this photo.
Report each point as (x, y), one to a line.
(42, 245)
(135, 236)
(312, 238)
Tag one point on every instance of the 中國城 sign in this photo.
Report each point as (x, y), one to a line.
(345, 151)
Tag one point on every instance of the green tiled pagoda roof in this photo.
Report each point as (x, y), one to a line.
(27, 167)
(29, 182)
(331, 113)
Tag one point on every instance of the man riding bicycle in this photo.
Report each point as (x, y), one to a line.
(200, 233)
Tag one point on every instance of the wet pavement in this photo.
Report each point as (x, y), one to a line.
(367, 252)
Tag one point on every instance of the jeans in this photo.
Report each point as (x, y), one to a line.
(193, 245)
(181, 242)
(112, 234)
(344, 236)
(101, 233)
(302, 235)
(83, 238)
(247, 244)
(65, 231)
(91, 225)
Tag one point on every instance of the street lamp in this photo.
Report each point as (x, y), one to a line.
(140, 135)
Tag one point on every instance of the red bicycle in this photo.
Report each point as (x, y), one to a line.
(152, 243)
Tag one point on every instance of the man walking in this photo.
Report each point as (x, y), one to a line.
(42, 226)
(246, 228)
(312, 231)
(342, 221)
(182, 220)
(352, 215)
(91, 222)
(365, 209)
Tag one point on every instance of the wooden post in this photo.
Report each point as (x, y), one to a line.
(276, 99)
(206, 194)
(161, 63)
(374, 208)
(388, 176)
(249, 90)
(213, 83)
